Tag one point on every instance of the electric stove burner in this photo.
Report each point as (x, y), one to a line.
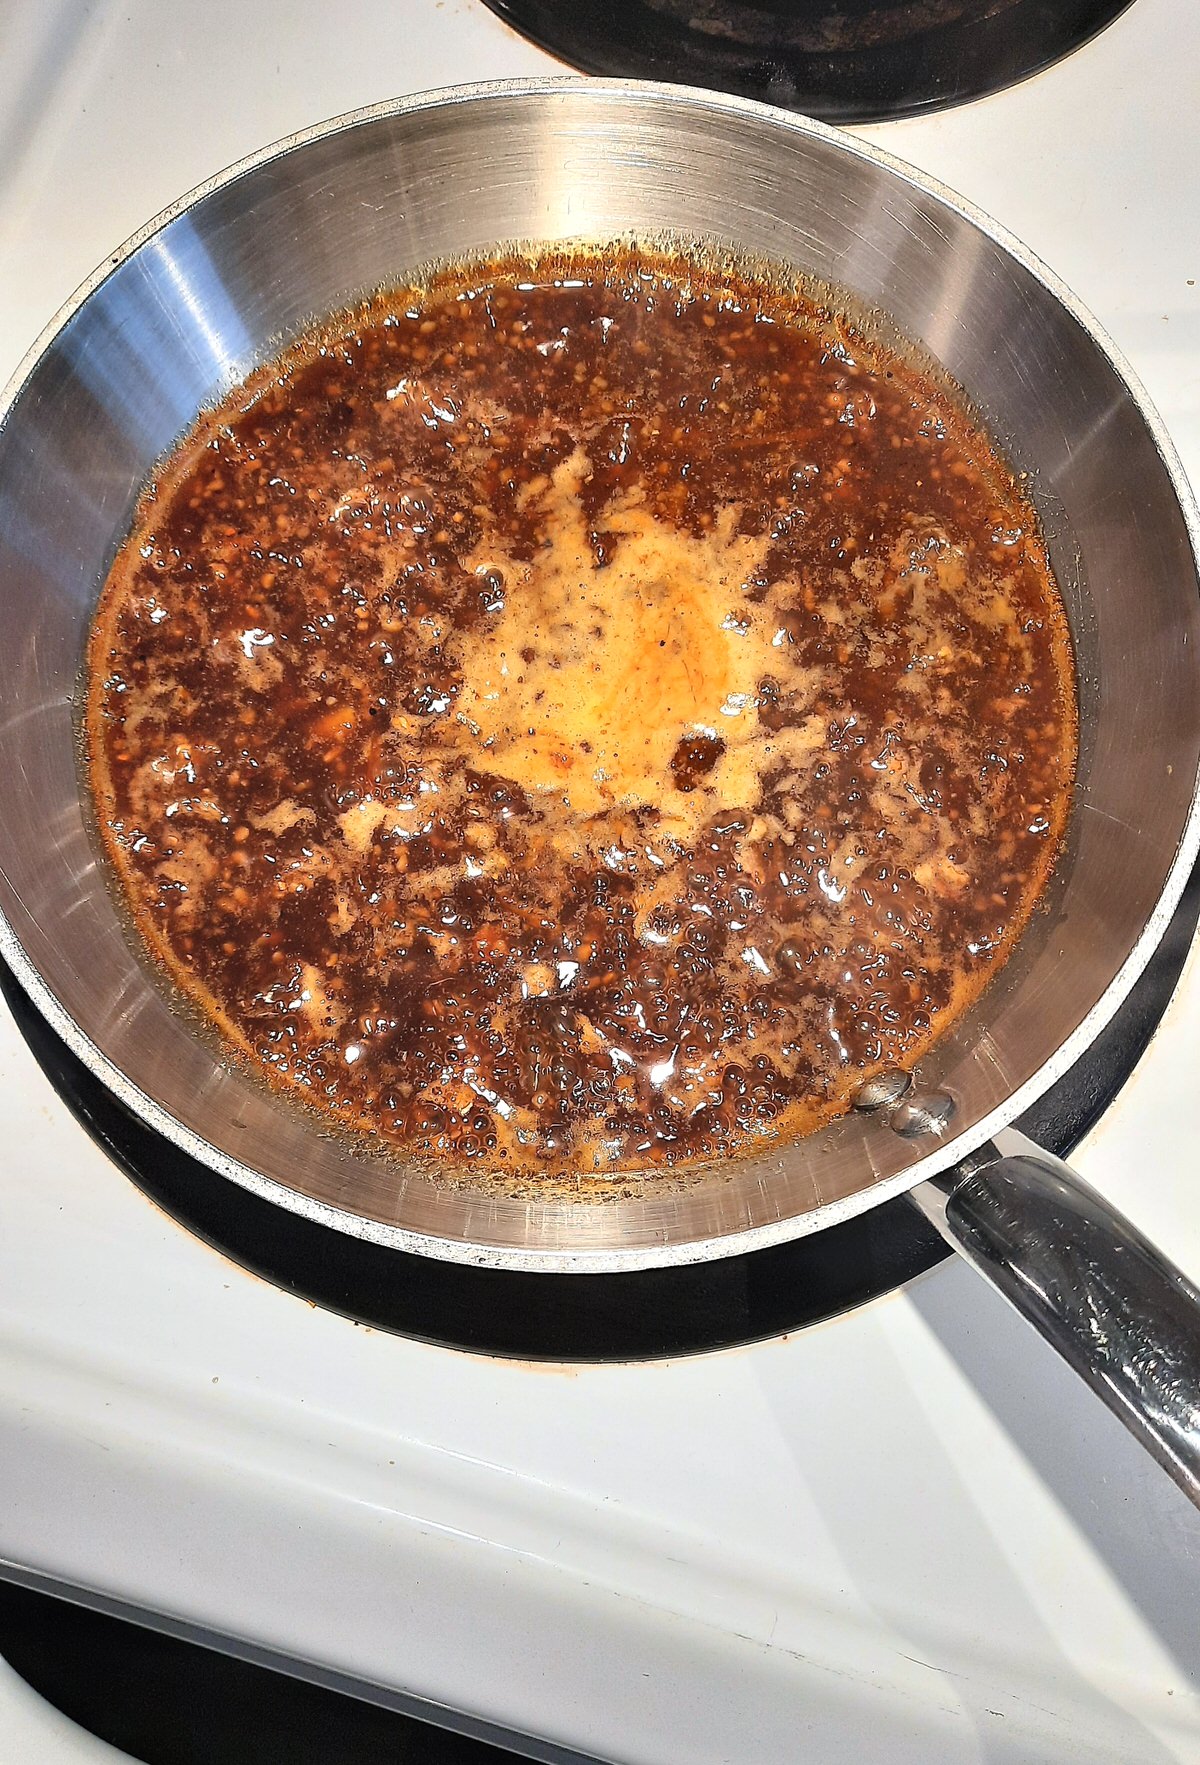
(845, 60)
(638, 1316)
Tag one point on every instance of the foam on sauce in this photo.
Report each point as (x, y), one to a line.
(584, 714)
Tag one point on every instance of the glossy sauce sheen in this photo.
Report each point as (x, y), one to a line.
(582, 715)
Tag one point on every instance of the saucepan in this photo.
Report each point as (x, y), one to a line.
(216, 284)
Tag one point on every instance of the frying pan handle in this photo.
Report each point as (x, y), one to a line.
(1117, 1311)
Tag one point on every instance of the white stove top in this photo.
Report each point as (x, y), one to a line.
(906, 1535)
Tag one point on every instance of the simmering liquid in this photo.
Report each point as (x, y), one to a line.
(585, 714)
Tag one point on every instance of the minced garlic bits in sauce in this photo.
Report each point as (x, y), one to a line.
(581, 714)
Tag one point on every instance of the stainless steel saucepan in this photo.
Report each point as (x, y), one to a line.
(217, 283)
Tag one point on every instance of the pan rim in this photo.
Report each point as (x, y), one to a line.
(938, 1159)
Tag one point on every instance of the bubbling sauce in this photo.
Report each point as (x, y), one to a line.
(583, 713)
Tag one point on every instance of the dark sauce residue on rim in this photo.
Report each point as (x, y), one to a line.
(582, 714)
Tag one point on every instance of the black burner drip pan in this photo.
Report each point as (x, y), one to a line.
(847, 61)
(637, 1316)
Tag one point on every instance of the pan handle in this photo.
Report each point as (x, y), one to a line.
(1117, 1311)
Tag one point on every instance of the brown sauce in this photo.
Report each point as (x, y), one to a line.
(582, 714)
